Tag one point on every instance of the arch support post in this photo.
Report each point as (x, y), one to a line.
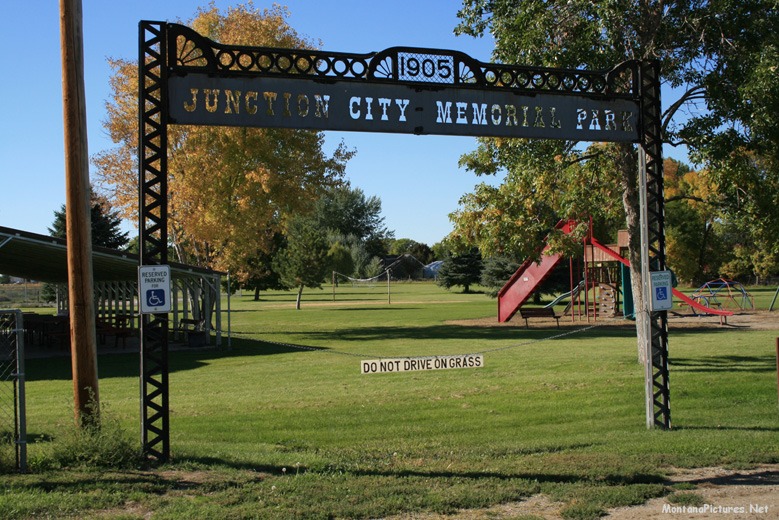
(658, 407)
(153, 226)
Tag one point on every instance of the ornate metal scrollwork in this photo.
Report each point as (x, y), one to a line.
(190, 52)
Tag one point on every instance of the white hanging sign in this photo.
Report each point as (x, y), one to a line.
(386, 366)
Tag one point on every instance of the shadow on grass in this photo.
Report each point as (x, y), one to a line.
(729, 363)
(728, 428)
(456, 332)
(210, 463)
(126, 364)
(694, 331)
(251, 344)
(560, 478)
(254, 344)
(374, 309)
(759, 478)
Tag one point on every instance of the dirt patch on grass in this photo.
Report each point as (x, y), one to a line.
(718, 493)
(706, 493)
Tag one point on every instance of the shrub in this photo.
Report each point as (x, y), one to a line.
(97, 443)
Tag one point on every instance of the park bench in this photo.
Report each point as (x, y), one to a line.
(193, 330)
(538, 312)
(118, 326)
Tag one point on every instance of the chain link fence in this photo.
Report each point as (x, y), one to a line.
(27, 294)
(12, 407)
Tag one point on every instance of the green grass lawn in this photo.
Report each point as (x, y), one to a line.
(269, 430)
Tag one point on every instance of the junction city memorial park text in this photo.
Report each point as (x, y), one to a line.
(197, 99)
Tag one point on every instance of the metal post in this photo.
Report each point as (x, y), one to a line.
(218, 305)
(658, 408)
(389, 298)
(646, 289)
(153, 204)
(570, 276)
(229, 325)
(20, 379)
(586, 281)
(771, 307)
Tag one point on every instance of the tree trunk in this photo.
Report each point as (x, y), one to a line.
(297, 300)
(630, 199)
(257, 294)
(702, 253)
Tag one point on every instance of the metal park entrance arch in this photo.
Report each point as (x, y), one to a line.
(185, 78)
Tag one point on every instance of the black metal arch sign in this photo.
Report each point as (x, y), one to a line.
(399, 90)
(188, 79)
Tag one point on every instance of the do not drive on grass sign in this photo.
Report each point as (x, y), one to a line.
(385, 366)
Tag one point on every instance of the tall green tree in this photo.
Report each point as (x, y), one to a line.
(340, 257)
(229, 188)
(418, 250)
(105, 221)
(497, 269)
(106, 232)
(694, 217)
(261, 274)
(737, 138)
(461, 269)
(347, 211)
(694, 41)
(303, 261)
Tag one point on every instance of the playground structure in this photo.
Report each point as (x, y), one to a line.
(606, 278)
(724, 294)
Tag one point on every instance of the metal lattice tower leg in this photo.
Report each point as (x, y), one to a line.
(153, 203)
(652, 155)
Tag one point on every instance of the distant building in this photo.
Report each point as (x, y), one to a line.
(431, 269)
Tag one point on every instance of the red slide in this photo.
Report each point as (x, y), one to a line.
(527, 278)
(686, 299)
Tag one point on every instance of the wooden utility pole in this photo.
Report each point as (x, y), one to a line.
(83, 342)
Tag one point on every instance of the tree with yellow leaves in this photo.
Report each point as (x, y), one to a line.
(693, 209)
(230, 189)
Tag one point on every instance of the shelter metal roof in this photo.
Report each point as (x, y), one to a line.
(44, 258)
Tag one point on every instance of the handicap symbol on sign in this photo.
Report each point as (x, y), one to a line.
(661, 293)
(155, 297)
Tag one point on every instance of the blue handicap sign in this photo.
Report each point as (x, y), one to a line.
(155, 298)
(661, 293)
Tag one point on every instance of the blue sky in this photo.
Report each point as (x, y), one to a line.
(416, 177)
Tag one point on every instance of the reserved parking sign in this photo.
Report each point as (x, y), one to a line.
(662, 298)
(154, 288)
